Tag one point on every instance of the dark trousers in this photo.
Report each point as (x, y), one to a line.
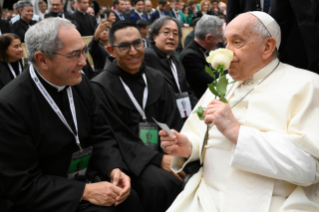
(156, 188)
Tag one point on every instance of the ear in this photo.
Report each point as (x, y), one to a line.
(111, 50)
(154, 38)
(269, 47)
(42, 60)
(207, 38)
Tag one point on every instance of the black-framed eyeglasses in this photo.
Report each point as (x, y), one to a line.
(126, 47)
(76, 54)
(168, 33)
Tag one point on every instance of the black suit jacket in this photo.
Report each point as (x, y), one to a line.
(157, 59)
(4, 26)
(194, 62)
(53, 14)
(235, 7)
(36, 147)
(199, 14)
(85, 24)
(98, 53)
(5, 76)
(118, 18)
(20, 27)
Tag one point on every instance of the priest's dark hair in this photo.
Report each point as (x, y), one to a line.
(120, 25)
(43, 37)
(158, 23)
(5, 41)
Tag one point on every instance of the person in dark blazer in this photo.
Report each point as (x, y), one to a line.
(119, 8)
(160, 11)
(97, 47)
(204, 9)
(139, 12)
(143, 27)
(37, 143)
(85, 23)
(11, 54)
(4, 27)
(21, 26)
(161, 56)
(208, 33)
(57, 10)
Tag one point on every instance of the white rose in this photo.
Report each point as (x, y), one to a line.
(220, 57)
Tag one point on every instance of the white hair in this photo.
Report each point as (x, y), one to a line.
(43, 37)
(208, 24)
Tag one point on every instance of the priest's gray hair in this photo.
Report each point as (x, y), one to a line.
(43, 37)
(23, 4)
(208, 24)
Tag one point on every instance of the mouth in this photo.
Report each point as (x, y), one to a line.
(170, 44)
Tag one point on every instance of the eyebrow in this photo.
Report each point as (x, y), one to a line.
(170, 28)
(76, 50)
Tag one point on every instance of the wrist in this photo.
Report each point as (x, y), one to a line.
(86, 192)
(232, 132)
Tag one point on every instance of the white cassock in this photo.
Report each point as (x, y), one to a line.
(273, 167)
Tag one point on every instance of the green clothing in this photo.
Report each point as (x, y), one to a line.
(184, 19)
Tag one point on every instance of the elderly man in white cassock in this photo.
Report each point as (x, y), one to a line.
(263, 146)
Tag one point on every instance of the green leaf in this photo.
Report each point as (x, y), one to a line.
(210, 72)
(212, 89)
(222, 98)
(221, 85)
(232, 82)
(200, 112)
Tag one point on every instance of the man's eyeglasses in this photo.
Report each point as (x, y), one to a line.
(168, 34)
(126, 47)
(76, 54)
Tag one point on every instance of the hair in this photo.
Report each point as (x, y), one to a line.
(120, 25)
(202, 3)
(23, 4)
(107, 12)
(42, 2)
(5, 42)
(208, 24)
(184, 7)
(191, 2)
(174, 1)
(158, 23)
(194, 22)
(115, 2)
(212, 1)
(162, 2)
(15, 6)
(43, 37)
(134, 2)
(142, 23)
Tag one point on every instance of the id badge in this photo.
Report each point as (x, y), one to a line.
(184, 104)
(149, 134)
(80, 162)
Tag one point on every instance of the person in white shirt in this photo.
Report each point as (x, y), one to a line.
(262, 146)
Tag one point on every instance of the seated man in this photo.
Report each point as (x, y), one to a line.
(261, 152)
(97, 46)
(208, 33)
(143, 27)
(51, 134)
(57, 10)
(139, 12)
(160, 11)
(166, 32)
(132, 94)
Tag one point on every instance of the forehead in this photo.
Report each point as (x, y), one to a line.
(170, 25)
(28, 8)
(56, 2)
(140, 2)
(242, 26)
(71, 39)
(148, 3)
(128, 34)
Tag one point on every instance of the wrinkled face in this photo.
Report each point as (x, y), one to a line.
(104, 36)
(247, 47)
(144, 31)
(57, 6)
(27, 13)
(139, 6)
(205, 6)
(43, 7)
(90, 11)
(132, 60)
(148, 6)
(63, 70)
(14, 51)
(167, 38)
(83, 5)
(111, 18)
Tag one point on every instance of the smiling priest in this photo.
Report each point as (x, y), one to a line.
(263, 146)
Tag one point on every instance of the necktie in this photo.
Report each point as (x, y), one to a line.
(266, 5)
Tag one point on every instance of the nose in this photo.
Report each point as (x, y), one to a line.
(82, 60)
(132, 50)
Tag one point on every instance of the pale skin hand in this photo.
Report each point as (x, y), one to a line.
(108, 194)
(122, 181)
(220, 114)
(102, 26)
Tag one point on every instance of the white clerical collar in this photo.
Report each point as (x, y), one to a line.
(262, 73)
(59, 88)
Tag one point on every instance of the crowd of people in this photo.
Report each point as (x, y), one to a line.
(84, 137)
